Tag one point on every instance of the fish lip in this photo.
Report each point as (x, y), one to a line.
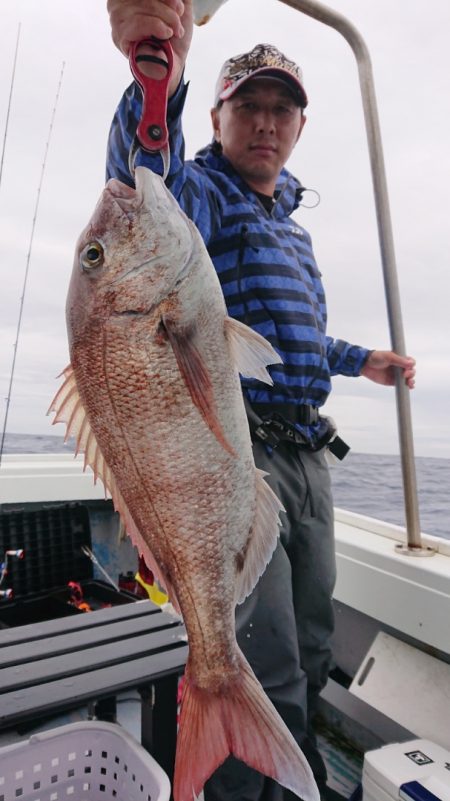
(129, 204)
(121, 192)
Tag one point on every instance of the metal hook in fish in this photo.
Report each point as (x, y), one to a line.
(136, 145)
(152, 133)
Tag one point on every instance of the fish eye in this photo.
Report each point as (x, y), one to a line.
(91, 256)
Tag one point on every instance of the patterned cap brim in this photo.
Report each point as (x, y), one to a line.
(277, 72)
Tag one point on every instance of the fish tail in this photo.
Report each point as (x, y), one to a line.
(240, 721)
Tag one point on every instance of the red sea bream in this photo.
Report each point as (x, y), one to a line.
(153, 397)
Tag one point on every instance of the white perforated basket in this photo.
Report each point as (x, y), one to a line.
(89, 761)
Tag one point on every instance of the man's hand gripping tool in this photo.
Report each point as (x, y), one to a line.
(152, 133)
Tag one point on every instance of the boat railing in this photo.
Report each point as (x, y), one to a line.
(332, 18)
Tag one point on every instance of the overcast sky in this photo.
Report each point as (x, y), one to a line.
(408, 42)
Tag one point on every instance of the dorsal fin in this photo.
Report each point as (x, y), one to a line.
(68, 408)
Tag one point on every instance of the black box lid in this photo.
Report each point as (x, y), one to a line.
(52, 538)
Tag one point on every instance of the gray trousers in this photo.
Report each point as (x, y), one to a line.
(284, 626)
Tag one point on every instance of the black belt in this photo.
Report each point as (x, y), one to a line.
(273, 423)
(300, 413)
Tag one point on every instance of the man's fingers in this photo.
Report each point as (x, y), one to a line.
(133, 21)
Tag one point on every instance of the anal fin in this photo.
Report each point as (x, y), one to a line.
(263, 537)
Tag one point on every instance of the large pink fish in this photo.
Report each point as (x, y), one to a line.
(153, 397)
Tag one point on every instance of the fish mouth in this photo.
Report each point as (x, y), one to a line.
(149, 191)
(152, 195)
(120, 190)
(123, 196)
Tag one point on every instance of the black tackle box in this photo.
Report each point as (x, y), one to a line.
(54, 578)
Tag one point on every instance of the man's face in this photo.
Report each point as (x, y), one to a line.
(258, 128)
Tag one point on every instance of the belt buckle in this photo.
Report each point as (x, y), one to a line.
(308, 414)
(264, 433)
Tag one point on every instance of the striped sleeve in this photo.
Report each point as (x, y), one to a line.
(345, 359)
(185, 180)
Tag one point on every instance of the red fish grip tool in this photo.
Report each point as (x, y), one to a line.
(152, 133)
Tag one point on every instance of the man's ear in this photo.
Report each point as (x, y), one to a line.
(302, 122)
(215, 118)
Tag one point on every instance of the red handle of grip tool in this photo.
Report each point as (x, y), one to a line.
(152, 131)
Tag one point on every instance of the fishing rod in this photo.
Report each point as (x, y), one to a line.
(9, 103)
(33, 226)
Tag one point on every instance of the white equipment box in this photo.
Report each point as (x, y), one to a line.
(418, 770)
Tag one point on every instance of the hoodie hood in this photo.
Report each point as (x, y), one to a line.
(288, 192)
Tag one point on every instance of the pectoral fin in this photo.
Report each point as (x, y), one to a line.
(197, 380)
(250, 352)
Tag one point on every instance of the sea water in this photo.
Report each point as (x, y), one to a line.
(366, 483)
(372, 485)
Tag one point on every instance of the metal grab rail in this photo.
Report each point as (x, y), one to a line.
(335, 20)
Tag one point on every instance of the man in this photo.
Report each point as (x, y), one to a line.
(240, 196)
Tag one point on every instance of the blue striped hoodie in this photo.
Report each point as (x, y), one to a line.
(264, 261)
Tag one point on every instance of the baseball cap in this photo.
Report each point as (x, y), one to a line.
(264, 59)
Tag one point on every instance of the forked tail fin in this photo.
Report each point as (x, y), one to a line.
(243, 722)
